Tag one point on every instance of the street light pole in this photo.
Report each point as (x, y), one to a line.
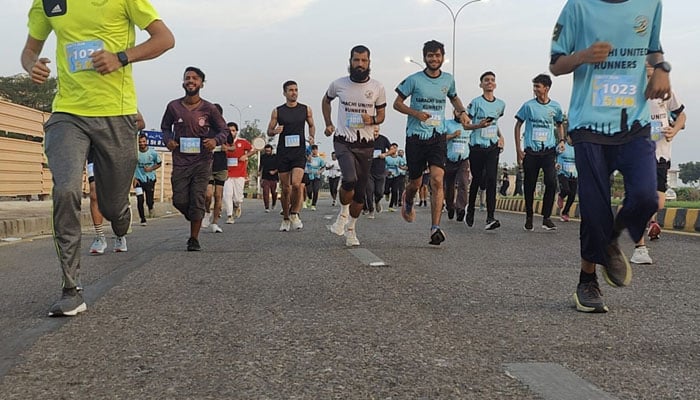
(454, 25)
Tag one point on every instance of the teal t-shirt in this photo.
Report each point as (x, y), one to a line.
(392, 165)
(480, 109)
(541, 121)
(567, 162)
(458, 147)
(608, 97)
(148, 158)
(314, 166)
(428, 95)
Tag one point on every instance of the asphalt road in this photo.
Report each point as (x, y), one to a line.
(262, 314)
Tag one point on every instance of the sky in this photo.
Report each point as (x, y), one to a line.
(249, 48)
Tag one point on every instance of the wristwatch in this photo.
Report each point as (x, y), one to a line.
(664, 66)
(123, 58)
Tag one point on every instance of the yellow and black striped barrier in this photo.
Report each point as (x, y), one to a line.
(675, 219)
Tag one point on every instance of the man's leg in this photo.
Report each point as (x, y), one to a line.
(437, 193)
(140, 194)
(491, 182)
(286, 184)
(297, 194)
(550, 184)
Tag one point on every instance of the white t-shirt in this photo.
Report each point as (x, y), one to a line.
(332, 169)
(660, 111)
(356, 99)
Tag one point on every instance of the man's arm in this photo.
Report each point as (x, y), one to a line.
(566, 64)
(400, 106)
(36, 67)
(140, 122)
(161, 40)
(659, 85)
(462, 112)
(312, 126)
(519, 154)
(272, 128)
(326, 111)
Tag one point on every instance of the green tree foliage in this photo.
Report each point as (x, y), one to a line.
(20, 89)
(690, 172)
(250, 132)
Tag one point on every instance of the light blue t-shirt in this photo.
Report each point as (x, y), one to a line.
(480, 109)
(567, 162)
(541, 121)
(392, 165)
(458, 147)
(314, 166)
(402, 163)
(148, 158)
(428, 95)
(608, 97)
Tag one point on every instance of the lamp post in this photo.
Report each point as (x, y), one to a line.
(240, 114)
(410, 60)
(454, 24)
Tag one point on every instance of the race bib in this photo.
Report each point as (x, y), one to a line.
(540, 134)
(139, 191)
(189, 145)
(377, 153)
(354, 121)
(217, 148)
(292, 141)
(434, 120)
(656, 130)
(90, 170)
(490, 132)
(232, 162)
(569, 167)
(460, 148)
(79, 55)
(614, 90)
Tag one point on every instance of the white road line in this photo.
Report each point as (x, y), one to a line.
(554, 382)
(367, 257)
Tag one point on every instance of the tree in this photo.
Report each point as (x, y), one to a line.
(20, 89)
(250, 132)
(690, 173)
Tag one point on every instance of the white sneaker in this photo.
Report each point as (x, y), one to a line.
(641, 256)
(120, 244)
(371, 215)
(207, 220)
(216, 229)
(351, 238)
(338, 226)
(296, 222)
(229, 219)
(99, 245)
(286, 225)
(237, 212)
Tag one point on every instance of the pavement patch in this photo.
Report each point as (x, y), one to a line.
(554, 382)
(367, 257)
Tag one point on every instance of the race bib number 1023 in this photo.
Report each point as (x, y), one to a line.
(614, 91)
(79, 55)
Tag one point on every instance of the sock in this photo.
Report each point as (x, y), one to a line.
(433, 228)
(344, 210)
(99, 230)
(351, 224)
(585, 277)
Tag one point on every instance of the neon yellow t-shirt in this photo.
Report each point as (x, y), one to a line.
(82, 27)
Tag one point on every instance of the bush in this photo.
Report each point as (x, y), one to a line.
(687, 194)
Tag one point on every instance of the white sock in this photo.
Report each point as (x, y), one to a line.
(351, 224)
(344, 210)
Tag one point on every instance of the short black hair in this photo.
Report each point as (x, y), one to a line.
(287, 84)
(543, 79)
(314, 147)
(359, 49)
(268, 146)
(196, 71)
(230, 124)
(485, 74)
(432, 46)
(143, 135)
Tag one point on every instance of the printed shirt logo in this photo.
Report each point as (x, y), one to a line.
(641, 24)
(557, 32)
(444, 90)
(369, 94)
(202, 121)
(55, 8)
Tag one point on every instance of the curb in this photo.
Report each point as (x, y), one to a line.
(674, 219)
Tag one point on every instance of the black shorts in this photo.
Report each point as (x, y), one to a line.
(305, 179)
(662, 167)
(290, 159)
(422, 153)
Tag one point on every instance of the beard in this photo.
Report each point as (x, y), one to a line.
(358, 75)
(433, 69)
(190, 92)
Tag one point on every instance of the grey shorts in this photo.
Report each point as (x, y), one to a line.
(190, 189)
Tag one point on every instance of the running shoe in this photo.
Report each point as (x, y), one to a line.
(469, 218)
(193, 245)
(548, 225)
(528, 224)
(588, 298)
(460, 215)
(120, 244)
(351, 238)
(618, 272)
(216, 228)
(230, 220)
(436, 237)
(564, 218)
(338, 226)
(286, 225)
(407, 211)
(641, 255)
(296, 222)
(492, 224)
(70, 304)
(654, 230)
(99, 245)
(207, 220)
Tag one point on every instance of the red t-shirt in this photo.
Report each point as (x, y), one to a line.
(236, 167)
